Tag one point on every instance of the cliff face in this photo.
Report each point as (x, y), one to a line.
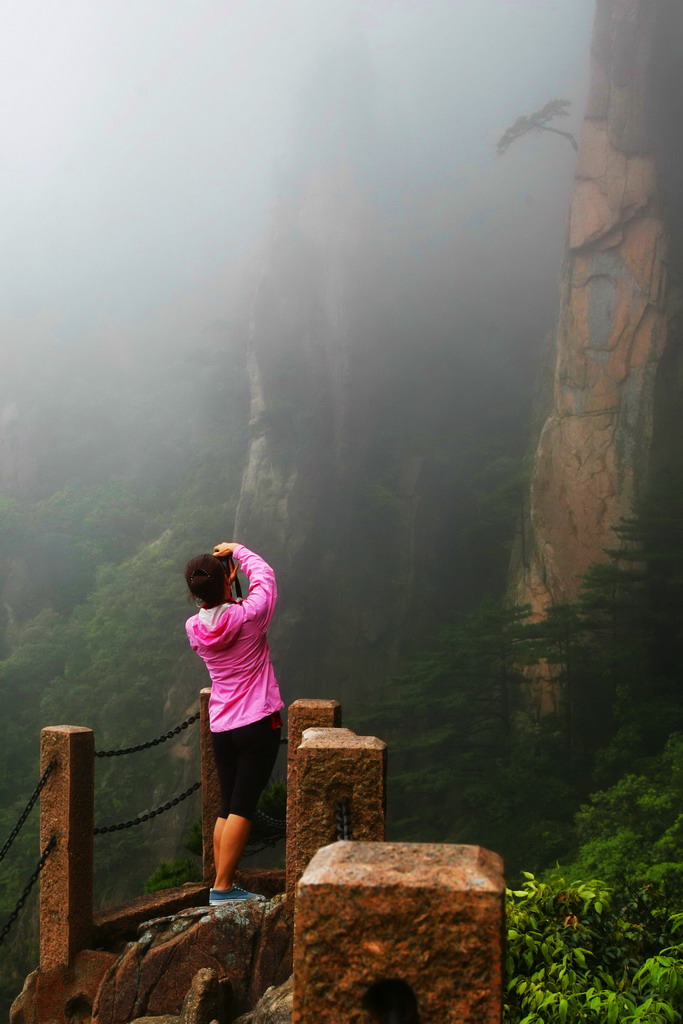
(616, 331)
(316, 379)
(308, 458)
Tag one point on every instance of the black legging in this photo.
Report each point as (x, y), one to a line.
(244, 760)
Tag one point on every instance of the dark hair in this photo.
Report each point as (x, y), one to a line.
(205, 578)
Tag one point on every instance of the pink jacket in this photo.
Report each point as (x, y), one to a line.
(232, 641)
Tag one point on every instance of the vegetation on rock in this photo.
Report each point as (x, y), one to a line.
(581, 952)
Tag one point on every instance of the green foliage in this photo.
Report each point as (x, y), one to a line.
(477, 765)
(168, 874)
(577, 953)
(273, 799)
(473, 767)
(632, 833)
(193, 838)
(111, 654)
(172, 873)
(264, 834)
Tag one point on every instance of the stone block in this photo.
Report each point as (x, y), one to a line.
(311, 714)
(67, 813)
(211, 797)
(399, 925)
(64, 992)
(334, 765)
(302, 715)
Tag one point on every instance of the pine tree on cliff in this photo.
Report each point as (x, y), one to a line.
(528, 124)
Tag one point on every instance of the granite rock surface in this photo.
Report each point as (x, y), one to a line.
(274, 1006)
(202, 1005)
(247, 946)
(591, 462)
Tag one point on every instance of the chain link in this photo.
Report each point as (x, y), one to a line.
(27, 810)
(150, 743)
(27, 888)
(271, 832)
(150, 814)
(343, 815)
(279, 824)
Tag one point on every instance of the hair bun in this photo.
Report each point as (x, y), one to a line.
(205, 578)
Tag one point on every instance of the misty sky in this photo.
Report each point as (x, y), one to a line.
(143, 140)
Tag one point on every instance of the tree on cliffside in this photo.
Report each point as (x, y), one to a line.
(471, 767)
(527, 124)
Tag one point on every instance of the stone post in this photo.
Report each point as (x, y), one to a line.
(302, 715)
(412, 928)
(311, 714)
(67, 813)
(211, 798)
(335, 765)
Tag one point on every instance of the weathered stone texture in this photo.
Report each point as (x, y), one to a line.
(267, 882)
(274, 1007)
(428, 915)
(334, 765)
(248, 946)
(593, 450)
(66, 813)
(211, 798)
(202, 1005)
(204, 1001)
(62, 993)
(118, 924)
(301, 715)
(311, 714)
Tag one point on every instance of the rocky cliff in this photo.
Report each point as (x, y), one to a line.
(618, 335)
(315, 383)
(193, 966)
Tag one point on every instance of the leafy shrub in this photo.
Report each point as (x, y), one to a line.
(578, 954)
(273, 800)
(632, 833)
(172, 873)
(193, 838)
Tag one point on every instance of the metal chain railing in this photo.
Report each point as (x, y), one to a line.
(150, 743)
(159, 739)
(149, 814)
(27, 810)
(27, 888)
(267, 833)
(277, 827)
(343, 815)
(276, 824)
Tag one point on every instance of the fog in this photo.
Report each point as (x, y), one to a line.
(262, 266)
(144, 143)
(263, 277)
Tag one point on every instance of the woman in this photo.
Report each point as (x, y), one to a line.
(244, 707)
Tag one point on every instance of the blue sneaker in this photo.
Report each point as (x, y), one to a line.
(217, 897)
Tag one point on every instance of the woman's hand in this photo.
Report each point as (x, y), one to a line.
(224, 549)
